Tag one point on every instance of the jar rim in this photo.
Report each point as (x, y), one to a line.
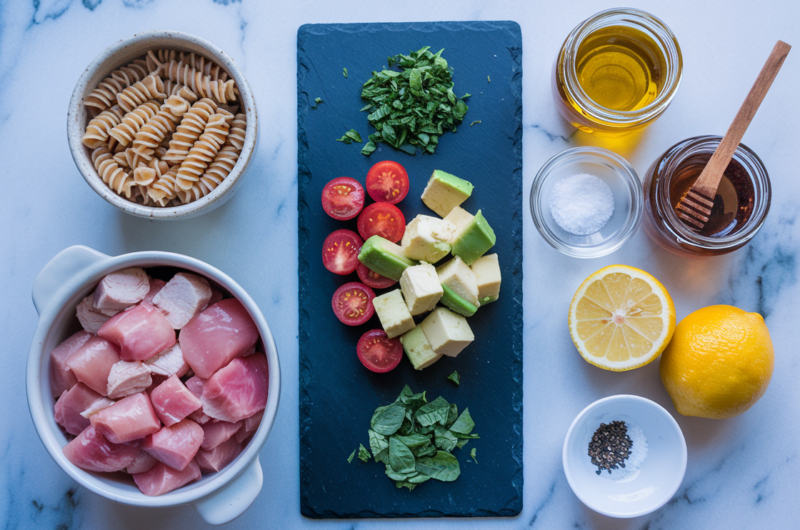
(644, 21)
(669, 162)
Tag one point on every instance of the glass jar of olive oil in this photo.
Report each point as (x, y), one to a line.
(616, 72)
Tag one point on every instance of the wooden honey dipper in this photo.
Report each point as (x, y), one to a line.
(695, 207)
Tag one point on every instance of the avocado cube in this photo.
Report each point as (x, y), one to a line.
(456, 275)
(453, 301)
(418, 349)
(474, 239)
(384, 257)
(427, 238)
(393, 313)
(459, 217)
(447, 332)
(421, 288)
(487, 273)
(445, 191)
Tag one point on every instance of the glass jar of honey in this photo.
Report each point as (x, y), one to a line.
(740, 206)
(616, 72)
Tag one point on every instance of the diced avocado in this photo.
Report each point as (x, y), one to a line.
(459, 217)
(451, 300)
(393, 313)
(445, 191)
(456, 275)
(487, 272)
(472, 241)
(384, 257)
(447, 331)
(427, 238)
(418, 349)
(421, 288)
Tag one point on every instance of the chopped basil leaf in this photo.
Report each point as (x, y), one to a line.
(474, 122)
(401, 459)
(488, 78)
(350, 458)
(454, 377)
(344, 72)
(318, 100)
(442, 466)
(472, 454)
(363, 453)
(350, 137)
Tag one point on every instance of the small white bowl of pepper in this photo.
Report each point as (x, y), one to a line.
(624, 456)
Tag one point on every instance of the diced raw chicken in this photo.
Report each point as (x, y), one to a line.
(176, 445)
(128, 378)
(242, 435)
(128, 419)
(155, 288)
(92, 362)
(199, 417)
(184, 296)
(61, 377)
(162, 479)
(214, 460)
(97, 406)
(140, 332)
(172, 401)
(90, 318)
(217, 432)
(168, 362)
(143, 462)
(216, 296)
(222, 332)
(70, 405)
(121, 289)
(93, 452)
(237, 391)
(251, 424)
(195, 386)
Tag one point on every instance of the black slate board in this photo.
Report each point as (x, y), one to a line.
(338, 395)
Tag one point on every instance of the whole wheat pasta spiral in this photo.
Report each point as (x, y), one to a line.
(204, 149)
(105, 95)
(150, 136)
(238, 131)
(151, 87)
(191, 127)
(125, 131)
(112, 174)
(163, 190)
(100, 126)
(203, 85)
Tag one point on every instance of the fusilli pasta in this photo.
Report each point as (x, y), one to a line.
(99, 127)
(125, 132)
(204, 149)
(112, 174)
(105, 94)
(156, 129)
(151, 87)
(203, 85)
(189, 130)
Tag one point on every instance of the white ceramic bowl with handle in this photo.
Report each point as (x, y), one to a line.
(61, 285)
(123, 53)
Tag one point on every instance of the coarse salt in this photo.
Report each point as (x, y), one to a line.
(581, 204)
(635, 459)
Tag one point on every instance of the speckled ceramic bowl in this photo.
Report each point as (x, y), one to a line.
(62, 284)
(124, 52)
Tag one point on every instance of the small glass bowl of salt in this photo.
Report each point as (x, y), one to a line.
(586, 202)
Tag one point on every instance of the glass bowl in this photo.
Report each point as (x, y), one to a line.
(625, 186)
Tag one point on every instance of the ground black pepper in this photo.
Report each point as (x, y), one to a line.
(610, 446)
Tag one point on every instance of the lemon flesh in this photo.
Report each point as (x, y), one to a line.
(621, 318)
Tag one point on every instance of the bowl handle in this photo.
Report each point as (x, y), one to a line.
(59, 270)
(231, 501)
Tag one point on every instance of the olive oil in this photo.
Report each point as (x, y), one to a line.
(621, 68)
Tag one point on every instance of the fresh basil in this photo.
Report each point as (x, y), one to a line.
(350, 137)
(350, 458)
(442, 466)
(454, 377)
(472, 454)
(445, 439)
(434, 412)
(363, 453)
(344, 72)
(401, 459)
(388, 419)
(379, 446)
(463, 425)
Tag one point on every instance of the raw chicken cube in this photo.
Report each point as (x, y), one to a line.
(93, 452)
(128, 419)
(214, 460)
(121, 289)
(168, 362)
(61, 377)
(97, 406)
(128, 378)
(140, 332)
(199, 417)
(162, 479)
(176, 445)
(90, 318)
(216, 296)
(195, 386)
(184, 296)
(237, 391)
(143, 462)
(222, 332)
(172, 401)
(70, 405)
(217, 432)
(92, 362)
(155, 288)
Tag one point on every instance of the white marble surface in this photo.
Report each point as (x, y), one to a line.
(742, 473)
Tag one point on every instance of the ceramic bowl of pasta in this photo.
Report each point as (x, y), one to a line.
(220, 494)
(163, 125)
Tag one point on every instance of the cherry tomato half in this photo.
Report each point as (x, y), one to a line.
(378, 353)
(383, 219)
(372, 278)
(352, 303)
(387, 181)
(340, 251)
(342, 198)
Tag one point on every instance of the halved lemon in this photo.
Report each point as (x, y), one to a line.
(621, 318)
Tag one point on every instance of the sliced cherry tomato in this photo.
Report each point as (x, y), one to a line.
(377, 352)
(342, 198)
(382, 219)
(340, 251)
(352, 303)
(372, 278)
(387, 181)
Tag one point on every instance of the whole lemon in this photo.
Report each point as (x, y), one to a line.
(718, 363)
